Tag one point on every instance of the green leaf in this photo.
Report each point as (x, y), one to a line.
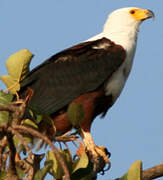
(11, 83)
(29, 123)
(27, 137)
(82, 168)
(5, 99)
(18, 143)
(82, 163)
(56, 170)
(40, 175)
(18, 68)
(76, 114)
(3, 175)
(20, 172)
(134, 172)
(36, 114)
(18, 64)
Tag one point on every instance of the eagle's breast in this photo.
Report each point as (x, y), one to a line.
(115, 84)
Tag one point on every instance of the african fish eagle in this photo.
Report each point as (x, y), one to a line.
(92, 73)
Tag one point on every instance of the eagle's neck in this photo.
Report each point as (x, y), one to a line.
(124, 35)
(127, 38)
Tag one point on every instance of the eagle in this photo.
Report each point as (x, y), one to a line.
(92, 74)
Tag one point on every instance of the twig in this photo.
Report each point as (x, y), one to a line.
(153, 173)
(12, 154)
(3, 144)
(6, 108)
(66, 138)
(46, 139)
(14, 132)
(16, 109)
(18, 113)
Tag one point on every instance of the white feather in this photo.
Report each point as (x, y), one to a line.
(122, 29)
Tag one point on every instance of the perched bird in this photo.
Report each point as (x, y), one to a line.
(92, 73)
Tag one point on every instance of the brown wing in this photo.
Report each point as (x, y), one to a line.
(72, 72)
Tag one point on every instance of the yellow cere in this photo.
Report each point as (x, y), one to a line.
(140, 14)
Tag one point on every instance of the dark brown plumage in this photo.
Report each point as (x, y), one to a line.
(78, 74)
(82, 69)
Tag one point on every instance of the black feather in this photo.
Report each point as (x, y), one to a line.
(72, 72)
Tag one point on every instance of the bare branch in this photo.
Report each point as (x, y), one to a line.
(12, 154)
(153, 173)
(16, 109)
(65, 138)
(3, 143)
(14, 132)
(48, 141)
(6, 108)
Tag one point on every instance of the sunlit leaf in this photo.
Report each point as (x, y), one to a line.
(27, 137)
(5, 99)
(82, 168)
(82, 163)
(134, 172)
(40, 175)
(18, 64)
(36, 114)
(30, 123)
(18, 68)
(56, 170)
(11, 83)
(3, 175)
(20, 172)
(76, 114)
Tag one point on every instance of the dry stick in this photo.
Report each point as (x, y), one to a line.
(153, 173)
(3, 144)
(12, 153)
(46, 139)
(14, 132)
(6, 108)
(35, 133)
(65, 138)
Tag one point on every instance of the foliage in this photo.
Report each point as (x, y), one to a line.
(5, 99)
(18, 135)
(76, 114)
(134, 172)
(17, 67)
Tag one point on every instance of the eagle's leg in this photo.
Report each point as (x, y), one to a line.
(99, 154)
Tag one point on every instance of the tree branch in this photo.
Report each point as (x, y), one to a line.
(48, 141)
(14, 132)
(6, 108)
(3, 143)
(65, 138)
(12, 154)
(153, 173)
(17, 111)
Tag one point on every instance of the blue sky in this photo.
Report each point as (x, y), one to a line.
(132, 129)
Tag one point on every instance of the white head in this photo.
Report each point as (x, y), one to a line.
(123, 24)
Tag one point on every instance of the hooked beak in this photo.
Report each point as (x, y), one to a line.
(150, 14)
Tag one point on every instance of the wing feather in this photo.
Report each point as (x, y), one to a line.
(70, 73)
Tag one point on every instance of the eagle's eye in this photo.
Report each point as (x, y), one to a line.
(132, 12)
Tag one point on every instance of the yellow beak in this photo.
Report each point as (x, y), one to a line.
(142, 14)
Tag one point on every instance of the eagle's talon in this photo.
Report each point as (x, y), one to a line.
(100, 158)
(99, 155)
(102, 151)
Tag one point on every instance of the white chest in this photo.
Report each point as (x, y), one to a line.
(115, 84)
